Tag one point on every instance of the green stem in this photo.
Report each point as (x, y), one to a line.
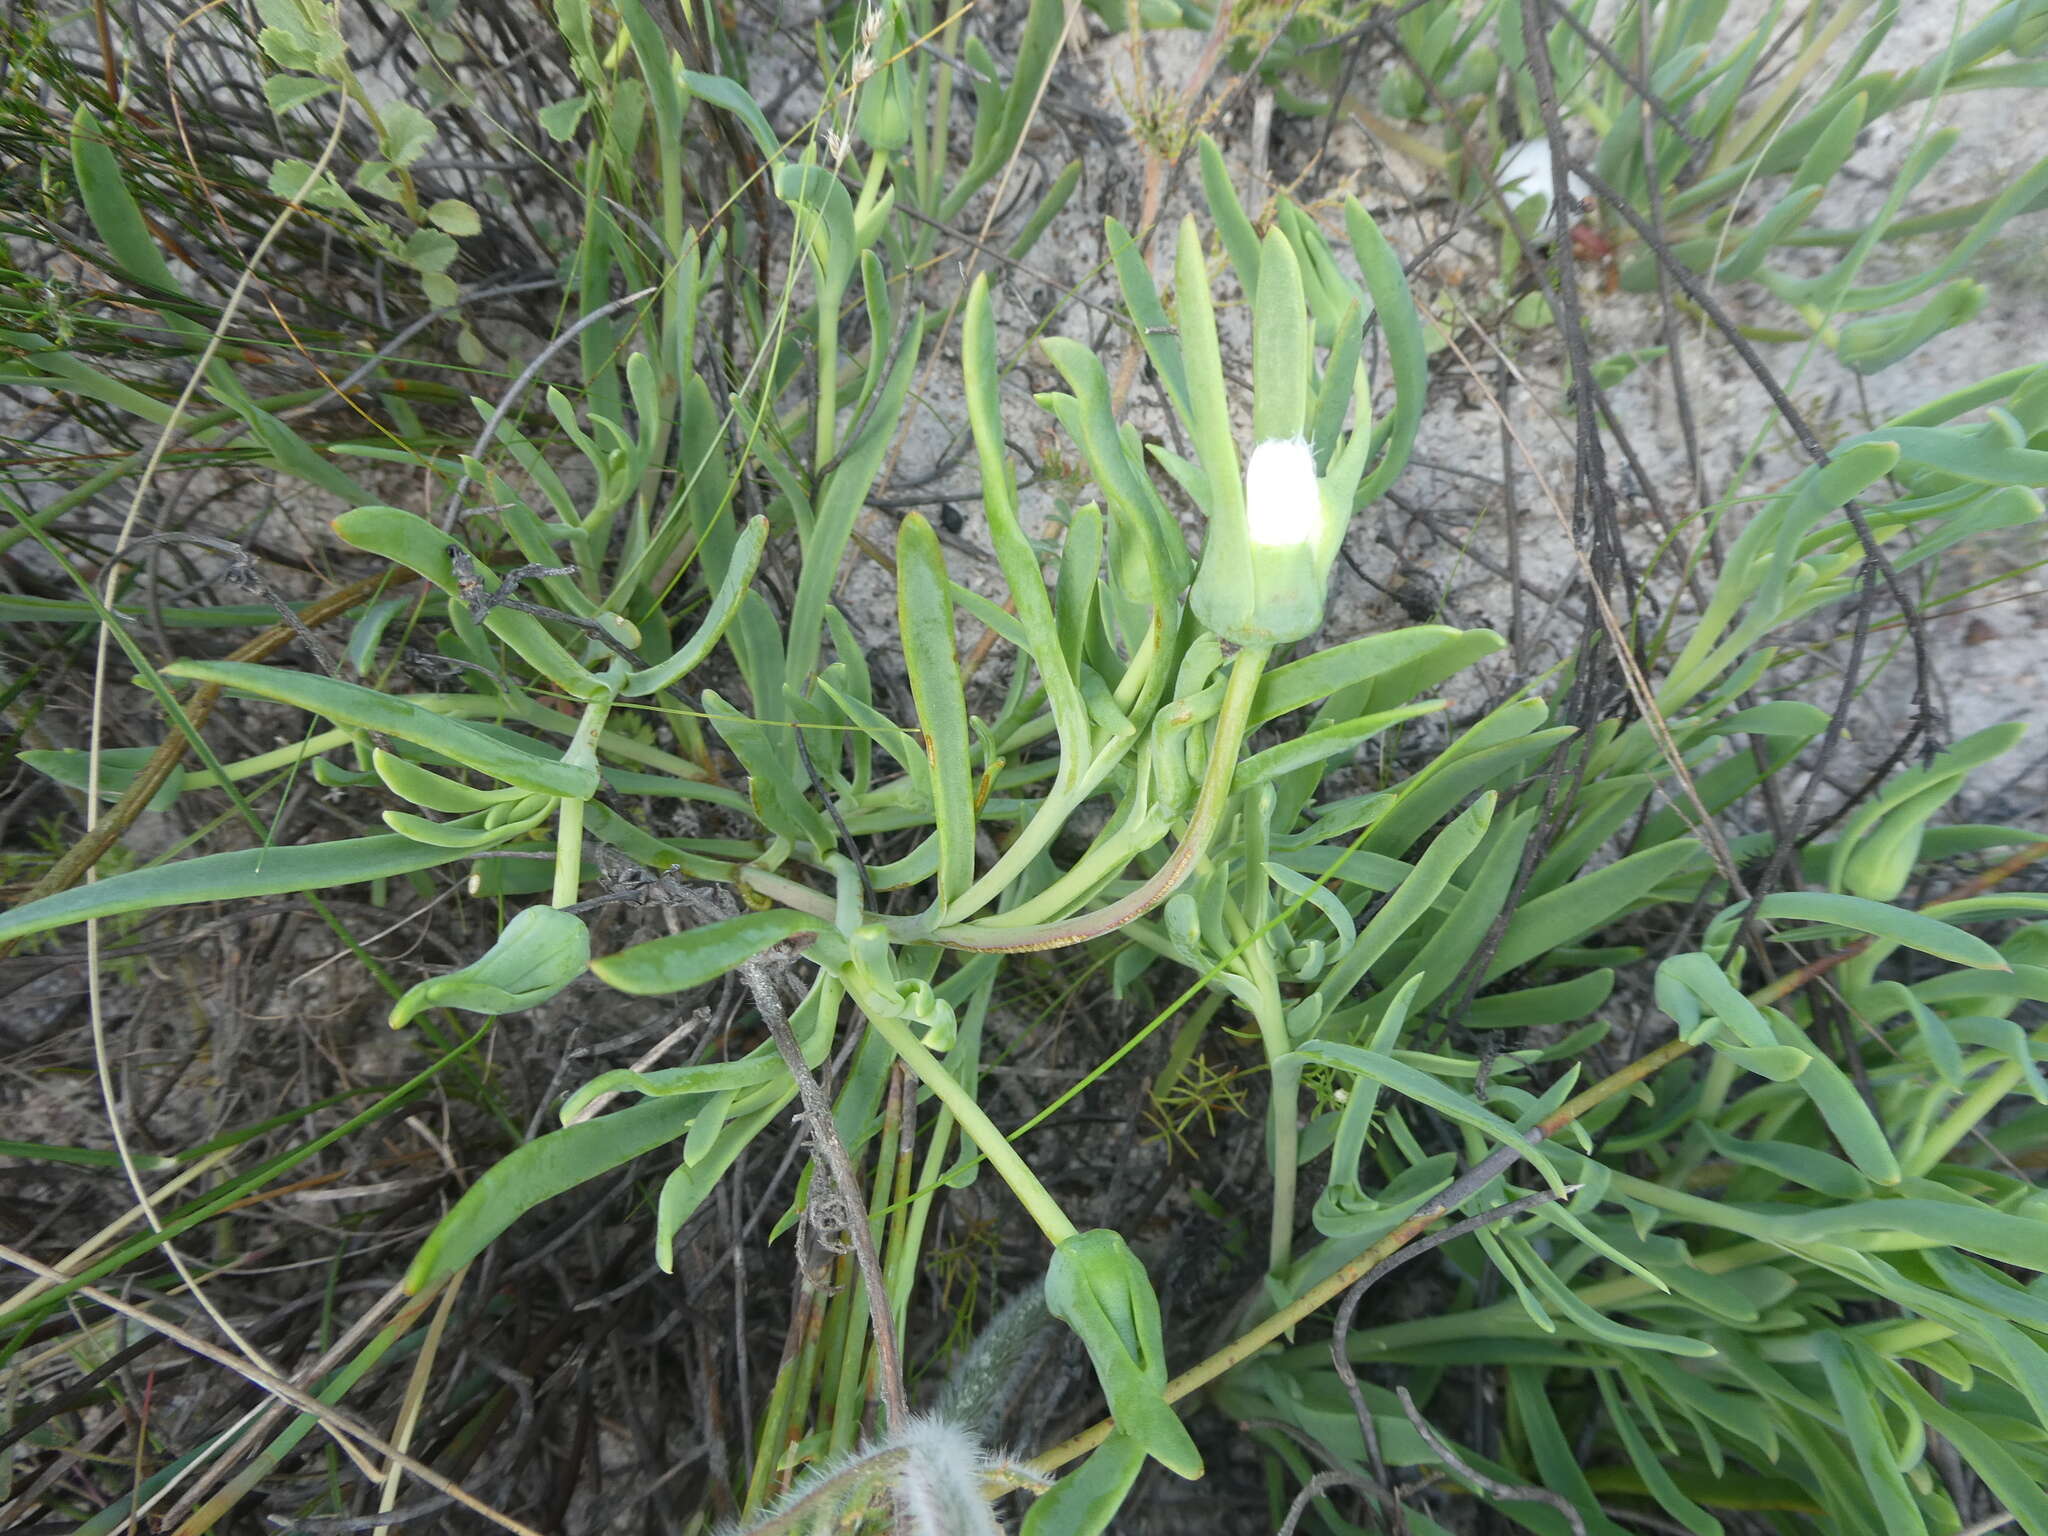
(1233, 720)
(774, 1439)
(1283, 1102)
(904, 1249)
(1962, 1120)
(582, 750)
(991, 1142)
(828, 381)
(1283, 1107)
(568, 855)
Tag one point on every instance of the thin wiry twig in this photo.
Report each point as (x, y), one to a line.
(383, 354)
(1926, 718)
(337, 1422)
(245, 572)
(512, 395)
(824, 1135)
(1470, 1183)
(1321, 1484)
(1527, 1493)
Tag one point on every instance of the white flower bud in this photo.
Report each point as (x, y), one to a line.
(1283, 503)
(1266, 564)
(1525, 171)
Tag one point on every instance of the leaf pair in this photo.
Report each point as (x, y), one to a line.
(1097, 1286)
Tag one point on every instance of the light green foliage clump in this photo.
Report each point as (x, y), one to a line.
(1748, 1259)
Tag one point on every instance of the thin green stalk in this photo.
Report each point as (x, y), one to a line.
(582, 749)
(828, 384)
(849, 1399)
(1283, 1105)
(568, 855)
(781, 1398)
(974, 1121)
(848, 1345)
(916, 1213)
(899, 1207)
(1233, 720)
(1962, 1120)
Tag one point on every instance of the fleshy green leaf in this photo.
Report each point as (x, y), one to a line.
(541, 951)
(1097, 1287)
(1085, 1501)
(1915, 930)
(353, 705)
(545, 1167)
(1281, 347)
(679, 962)
(227, 877)
(739, 571)
(417, 544)
(924, 612)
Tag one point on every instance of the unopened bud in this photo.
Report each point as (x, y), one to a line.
(1264, 583)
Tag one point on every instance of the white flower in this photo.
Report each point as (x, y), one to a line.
(1525, 172)
(1266, 561)
(1283, 503)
